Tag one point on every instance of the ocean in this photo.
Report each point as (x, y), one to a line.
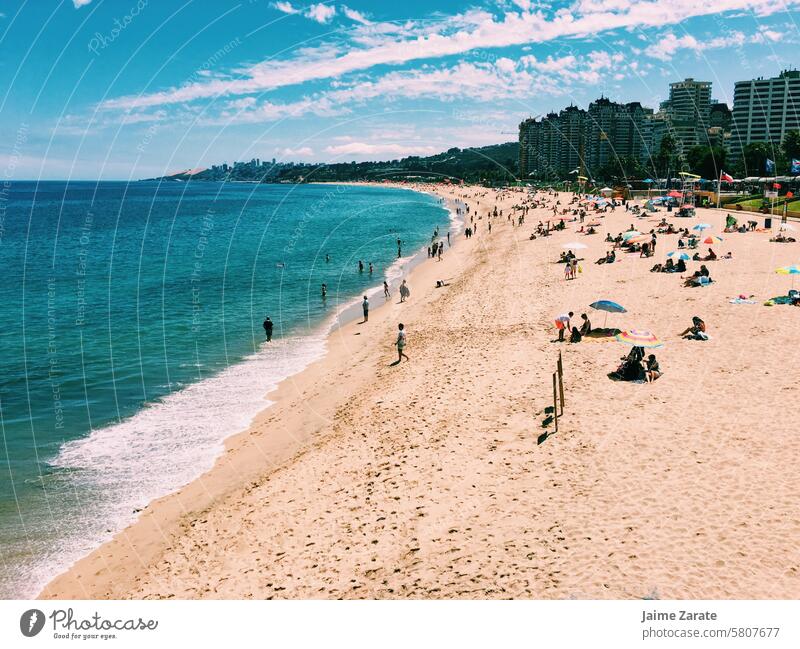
(132, 342)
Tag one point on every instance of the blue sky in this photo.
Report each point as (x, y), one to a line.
(127, 89)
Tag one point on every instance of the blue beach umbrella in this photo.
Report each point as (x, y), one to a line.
(681, 255)
(609, 307)
(701, 226)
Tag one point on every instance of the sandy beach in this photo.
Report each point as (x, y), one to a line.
(425, 480)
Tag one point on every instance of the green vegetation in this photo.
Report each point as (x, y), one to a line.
(489, 164)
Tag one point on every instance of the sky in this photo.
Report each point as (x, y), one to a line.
(128, 89)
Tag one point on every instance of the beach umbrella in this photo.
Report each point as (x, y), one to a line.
(674, 194)
(609, 307)
(792, 270)
(648, 181)
(712, 239)
(681, 255)
(639, 338)
(630, 234)
(701, 226)
(575, 244)
(641, 238)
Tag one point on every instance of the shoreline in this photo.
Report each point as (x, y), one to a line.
(163, 515)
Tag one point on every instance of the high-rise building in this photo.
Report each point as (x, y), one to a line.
(688, 110)
(764, 110)
(585, 140)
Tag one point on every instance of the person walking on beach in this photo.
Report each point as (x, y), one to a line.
(404, 291)
(401, 343)
(448, 238)
(441, 246)
(385, 289)
(268, 328)
(365, 308)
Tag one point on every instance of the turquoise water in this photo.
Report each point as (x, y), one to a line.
(132, 342)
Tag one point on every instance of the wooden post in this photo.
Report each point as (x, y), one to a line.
(555, 402)
(561, 381)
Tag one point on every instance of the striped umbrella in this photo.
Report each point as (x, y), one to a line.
(712, 239)
(681, 255)
(639, 338)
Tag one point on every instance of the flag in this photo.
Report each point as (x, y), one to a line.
(776, 185)
(770, 166)
(789, 194)
(725, 178)
(795, 166)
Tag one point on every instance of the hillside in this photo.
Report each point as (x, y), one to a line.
(497, 162)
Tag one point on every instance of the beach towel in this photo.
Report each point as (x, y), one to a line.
(741, 300)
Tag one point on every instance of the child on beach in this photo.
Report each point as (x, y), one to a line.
(652, 369)
(401, 343)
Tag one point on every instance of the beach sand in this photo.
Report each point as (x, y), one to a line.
(425, 479)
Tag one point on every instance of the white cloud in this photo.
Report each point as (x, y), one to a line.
(388, 44)
(356, 16)
(302, 152)
(286, 7)
(383, 148)
(321, 13)
(669, 44)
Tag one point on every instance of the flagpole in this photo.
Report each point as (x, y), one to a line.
(719, 188)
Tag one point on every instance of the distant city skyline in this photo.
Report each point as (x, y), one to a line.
(95, 89)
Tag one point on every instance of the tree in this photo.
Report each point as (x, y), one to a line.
(665, 159)
(706, 161)
(754, 158)
(791, 145)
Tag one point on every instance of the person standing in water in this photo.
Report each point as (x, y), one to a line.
(268, 328)
(385, 289)
(360, 266)
(324, 291)
(399, 248)
(365, 308)
(370, 268)
(327, 258)
(401, 343)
